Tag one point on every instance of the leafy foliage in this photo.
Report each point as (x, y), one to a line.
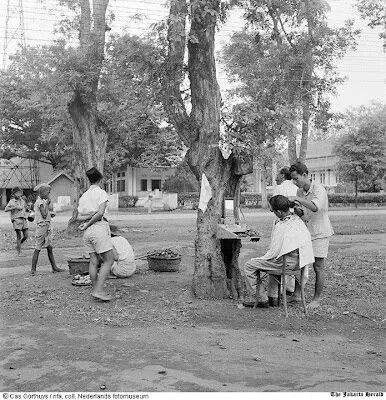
(36, 88)
(361, 148)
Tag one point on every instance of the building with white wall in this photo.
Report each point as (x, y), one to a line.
(138, 181)
(322, 163)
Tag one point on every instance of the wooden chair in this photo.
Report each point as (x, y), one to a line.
(281, 280)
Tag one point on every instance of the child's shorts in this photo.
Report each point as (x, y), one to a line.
(42, 236)
(19, 224)
(97, 238)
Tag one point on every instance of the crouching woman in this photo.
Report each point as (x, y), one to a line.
(290, 237)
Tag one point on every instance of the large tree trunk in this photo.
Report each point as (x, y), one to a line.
(90, 135)
(200, 132)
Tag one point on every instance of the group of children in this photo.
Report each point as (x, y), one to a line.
(109, 252)
(302, 232)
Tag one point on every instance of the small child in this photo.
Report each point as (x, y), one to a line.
(17, 207)
(43, 214)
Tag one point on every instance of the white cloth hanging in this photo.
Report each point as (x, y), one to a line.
(205, 194)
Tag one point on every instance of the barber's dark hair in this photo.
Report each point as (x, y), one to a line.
(94, 175)
(299, 167)
(281, 203)
(286, 172)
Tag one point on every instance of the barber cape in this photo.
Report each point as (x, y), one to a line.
(288, 235)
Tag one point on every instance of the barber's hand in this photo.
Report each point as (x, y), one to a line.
(83, 226)
(292, 198)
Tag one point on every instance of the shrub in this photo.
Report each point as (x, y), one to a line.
(189, 199)
(127, 201)
(251, 200)
(349, 198)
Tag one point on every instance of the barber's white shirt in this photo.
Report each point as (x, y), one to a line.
(286, 188)
(91, 199)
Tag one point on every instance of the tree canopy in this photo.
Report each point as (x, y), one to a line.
(361, 147)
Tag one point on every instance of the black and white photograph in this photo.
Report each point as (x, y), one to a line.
(192, 199)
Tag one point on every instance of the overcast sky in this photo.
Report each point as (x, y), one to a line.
(365, 68)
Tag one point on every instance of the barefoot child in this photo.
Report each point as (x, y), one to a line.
(96, 236)
(312, 196)
(43, 214)
(17, 207)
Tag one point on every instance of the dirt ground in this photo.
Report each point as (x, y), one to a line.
(156, 337)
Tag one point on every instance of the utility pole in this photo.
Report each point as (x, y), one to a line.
(14, 28)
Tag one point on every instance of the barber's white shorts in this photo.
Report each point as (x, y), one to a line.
(320, 247)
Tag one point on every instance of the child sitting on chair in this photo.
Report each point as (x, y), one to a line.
(290, 237)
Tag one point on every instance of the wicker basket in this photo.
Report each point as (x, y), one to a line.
(162, 264)
(78, 266)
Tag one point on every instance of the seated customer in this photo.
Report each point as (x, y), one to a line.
(290, 236)
(124, 260)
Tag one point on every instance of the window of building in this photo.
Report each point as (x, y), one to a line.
(322, 178)
(155, 184)
(121, 181)
(121, 185)
(313, 177)
(143, 185)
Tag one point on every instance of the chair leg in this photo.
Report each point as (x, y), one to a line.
(279, 290)
(258, 283)
(302, 291)
(283, 285)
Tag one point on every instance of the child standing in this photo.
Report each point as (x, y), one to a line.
(17, 207)
(97, 238)
(43, 214)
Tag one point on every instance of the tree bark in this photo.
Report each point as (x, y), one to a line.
(264, 194)
(200, 132)
(291, 138)
(307, 86)
(356, 192)
(90, 133)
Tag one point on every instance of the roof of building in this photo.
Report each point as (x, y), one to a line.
(320, 148)
(57, 174)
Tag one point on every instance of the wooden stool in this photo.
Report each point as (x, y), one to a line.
(299, 276)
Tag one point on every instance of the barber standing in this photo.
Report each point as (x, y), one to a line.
(312, 196)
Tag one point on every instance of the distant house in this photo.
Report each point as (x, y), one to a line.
(322, 163)
(138, 181)
(62, 185)
(26, 173)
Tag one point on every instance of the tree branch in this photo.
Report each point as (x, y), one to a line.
(174, 70)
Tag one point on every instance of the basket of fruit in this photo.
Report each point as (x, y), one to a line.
(165, 260)
(78, 266)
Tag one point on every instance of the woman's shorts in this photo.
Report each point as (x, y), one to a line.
(19, 224)
(123, 268)
(97, 238)
(320, 247)
(43, 236)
